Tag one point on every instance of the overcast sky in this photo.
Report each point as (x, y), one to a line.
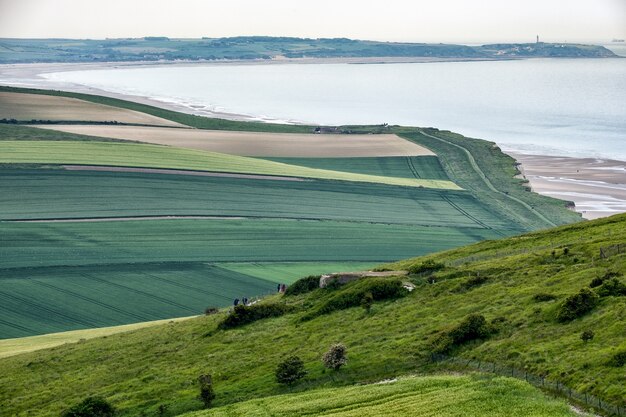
(392, 20)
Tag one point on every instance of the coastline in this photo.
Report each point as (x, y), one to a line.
(596, 186)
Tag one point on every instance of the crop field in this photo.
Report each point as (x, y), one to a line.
(38, 107)
(427, 167)
(413, 396)
(48, 244)
(154, 156)
(49, 300)
(257, 143)
(54, 194)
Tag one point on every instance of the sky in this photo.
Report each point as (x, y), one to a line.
(462, 21)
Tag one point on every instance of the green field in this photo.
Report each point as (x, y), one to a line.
(425, 167)
(444, 396)
(141, 370)
(153, 156)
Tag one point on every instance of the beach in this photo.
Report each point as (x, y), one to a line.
(596, 186)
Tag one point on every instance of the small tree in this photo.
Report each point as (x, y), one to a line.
(207, 394)
(367, 301)
(587, 335)
(336, 357)
(290, 370)
(91, 407)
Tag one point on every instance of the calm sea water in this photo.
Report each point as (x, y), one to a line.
(571, 107)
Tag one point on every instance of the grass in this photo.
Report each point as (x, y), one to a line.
(444, 396)
(153, 156)
(141, 370)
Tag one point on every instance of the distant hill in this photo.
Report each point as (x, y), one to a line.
(153, 48)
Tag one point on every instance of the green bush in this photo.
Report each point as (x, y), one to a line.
(247, 314)
(612, 287)
(577, 305)
(207, 394)
(290, 370)
(352, 295)
(211, 310)
(619, 359)
(472, 282)
(542, 297)
(336, 357)
(304, 285)
(596, 282)
(587, 336)
(91, 407)
(367, 301)
(473, 327)
(427, 267)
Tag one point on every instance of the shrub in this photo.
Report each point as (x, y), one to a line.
(427, 267)
(336, 357)
(91, 407)
(247, 314)
(472, 327)
(596, 282)
(619, 359)
(352, 295)
(290, 370)
(472, 282)
(211, 310)
(587, 335)
(304, 285)
(333, 284)
(541, 297)
(612, 287)
(577, 305)
(367, 301)
(207, 394)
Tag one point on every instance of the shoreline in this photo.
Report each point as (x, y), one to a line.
(596, 186)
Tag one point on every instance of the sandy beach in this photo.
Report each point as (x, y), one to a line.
(596, 186)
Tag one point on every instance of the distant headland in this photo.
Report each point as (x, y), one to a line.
(161, 48)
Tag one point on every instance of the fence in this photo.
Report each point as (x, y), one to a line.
(612, 250)
(538, 381)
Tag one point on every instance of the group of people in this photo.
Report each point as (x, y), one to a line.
(243, 301)
(281, 288)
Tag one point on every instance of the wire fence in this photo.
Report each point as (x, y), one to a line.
(608, 251)
(589, 400)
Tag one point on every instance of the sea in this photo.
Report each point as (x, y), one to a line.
(563, 107)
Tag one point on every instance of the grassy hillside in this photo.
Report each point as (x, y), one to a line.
(518, 284)
(415, 396)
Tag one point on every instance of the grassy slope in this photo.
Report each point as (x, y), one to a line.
(443, 396)
(159, 365)
(490, 175)
(154, 156)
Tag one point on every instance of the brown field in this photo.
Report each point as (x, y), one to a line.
(40, 107)
(258, 144)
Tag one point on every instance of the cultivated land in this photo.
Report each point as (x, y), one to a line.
(37, 107)
(413, 396)
(524, 282)
(153, 156)
(259, 143)
(182, 229)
